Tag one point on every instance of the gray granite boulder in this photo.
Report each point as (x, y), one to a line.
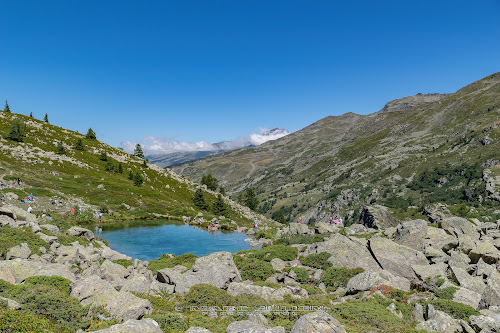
(198, 329)
(396, 258)
(135, 326)
(247, 326)
(20, 251)
(346, 252)
(377, 217)
(411, 234)
(367, 280)
(80, 232)
(459, 226)
(17, 270)
(317, 322)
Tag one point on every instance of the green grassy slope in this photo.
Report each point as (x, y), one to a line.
(79, 178)
(340, 163)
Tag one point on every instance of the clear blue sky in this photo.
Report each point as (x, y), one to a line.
(215, 70)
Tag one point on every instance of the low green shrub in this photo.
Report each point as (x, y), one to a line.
(186, 259)
(56, 282)
(207, 295)
(317, 260)
(457, 310)
(336, 277)
(312, 290)
(10, 237)
(15, 321)
(124, 262)
(446, 293)
(170, 321)
(302, 275)
(294, 239)
(254, 269)
(270, 252)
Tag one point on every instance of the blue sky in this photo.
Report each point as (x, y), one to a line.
(216, 70)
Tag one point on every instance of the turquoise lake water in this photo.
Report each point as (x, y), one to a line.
(149, 240)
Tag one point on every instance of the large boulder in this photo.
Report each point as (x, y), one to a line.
(113, 273)
(459, 226)
(137, 283)
(438, 321)
(127, 306)
(396, 258)
(11, 304)
(267, 293)
(20, 251)
(367, 280)
(7, 212)
(217, 269)
(51, 228)
(134, 326)
(486, 251)
(425, 272)
(247, 326)
(468, 297)
(198, 329)
(80, 232)
(93, 290)
(411, 234)
(327, 228)
(6, 220)
(317, 322)
(297, 229)
(346, 252)
(21, 214)
(465, 280)
(485, 324)
(440, 239)
(377, 217)
(491, 295)
(17, 270)
(107, 253)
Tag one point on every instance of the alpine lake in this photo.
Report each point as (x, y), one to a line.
(149, 240)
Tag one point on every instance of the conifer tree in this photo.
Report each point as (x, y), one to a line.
(130, 175)
(222, 190)
(138, 151)
(17, 130)
(103, 156)
(31, 115)
(6, 108)
(79, 145)
(219, 207)
(199, 199)
(91, 134)
(138, 179)
(250, 199)
(279, 216)
(120, 168)
(209, 181)
(60, 148)
(46, 118)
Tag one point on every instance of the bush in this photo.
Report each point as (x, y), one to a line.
(317, 260)
(14, 321)
(10, 237)
(170, 321)
(457, 310)
(311, 290)
(446, 293)
(124, 262)
(56, 282)
(302, 275)
(336, 277)
(207, 295)
(254, 269)
(282, 252)
(186, 259)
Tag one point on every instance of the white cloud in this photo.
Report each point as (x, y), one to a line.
(160, 145)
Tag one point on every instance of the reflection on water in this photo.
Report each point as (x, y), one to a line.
(148, 240)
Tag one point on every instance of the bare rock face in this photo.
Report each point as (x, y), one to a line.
(317, 322)
(411, 234)
(21, 251)
(378, 217)
(134, 326)
(366, 280)
(406, 103)
(346, 253)
(396, 258)
(217, 269)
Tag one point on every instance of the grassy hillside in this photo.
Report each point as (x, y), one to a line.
(338, 164)
(82, 179)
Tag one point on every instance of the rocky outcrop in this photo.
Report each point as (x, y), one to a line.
(80, 232)
(135, 326)
(345, 252)
(217, 269)
(17, 270)
(459, 226)
(367, 280)
(396, 258)
(317, 322)
(411, 234)
(377, 217)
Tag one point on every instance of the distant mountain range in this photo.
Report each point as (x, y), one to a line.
(414, 151)
(167, 160)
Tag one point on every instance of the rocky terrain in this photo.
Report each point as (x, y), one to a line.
(340, 164)
(439, 276)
